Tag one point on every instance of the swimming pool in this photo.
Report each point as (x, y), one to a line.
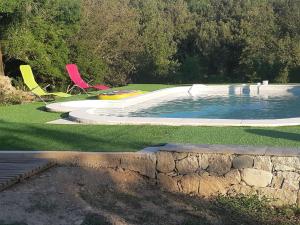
(225, 107)
(213, 105)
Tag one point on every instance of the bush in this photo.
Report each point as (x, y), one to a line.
(10, 95)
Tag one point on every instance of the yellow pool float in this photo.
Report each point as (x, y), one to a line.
(121, 94)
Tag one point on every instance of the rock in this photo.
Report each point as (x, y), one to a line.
(187, 165)
(277, 181)
(293, 162)
(255, 177)
(263, 163)
(190, 183)
(203, 161)
(167, 182)
(165, 162)
(180, 155)
(286, 180)
(281, 167)
(203, 173)
(238, 189)
(241, 162)
(290, 180)
(279, 197)
(233, 176)
(219, 164)
(212, 186)
(142, 163)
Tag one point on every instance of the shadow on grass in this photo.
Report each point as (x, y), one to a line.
(41, 108)
(275, 134)
(16, 136)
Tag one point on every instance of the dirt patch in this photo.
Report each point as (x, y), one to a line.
(82, 196)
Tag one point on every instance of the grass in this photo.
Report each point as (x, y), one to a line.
(252, 208)
(22, 127)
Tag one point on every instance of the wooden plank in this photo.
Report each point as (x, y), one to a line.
(16, 168)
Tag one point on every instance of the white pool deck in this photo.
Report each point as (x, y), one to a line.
(101, 111)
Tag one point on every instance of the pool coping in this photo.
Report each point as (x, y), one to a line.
(85, 112)
(83, 117)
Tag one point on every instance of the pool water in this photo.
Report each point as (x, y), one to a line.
(225, 107)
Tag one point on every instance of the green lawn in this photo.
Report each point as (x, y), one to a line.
(22, 127)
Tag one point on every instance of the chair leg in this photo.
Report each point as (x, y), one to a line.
(40, 98)
(85, 91)
(69, 90)
(82, 89)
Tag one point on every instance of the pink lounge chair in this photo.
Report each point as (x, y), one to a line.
(79, 82)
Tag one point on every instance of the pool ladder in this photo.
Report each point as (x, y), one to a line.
(245, 89)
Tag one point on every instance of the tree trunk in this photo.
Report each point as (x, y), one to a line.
(1, 63)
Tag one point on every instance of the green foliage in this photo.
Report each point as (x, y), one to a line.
(258, 209)
(163, 25)
(38, 35)
(109, 36)
(120, 41)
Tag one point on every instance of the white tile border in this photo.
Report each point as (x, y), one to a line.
(84, 111)
(82, 116)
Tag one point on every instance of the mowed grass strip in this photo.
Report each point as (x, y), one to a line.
(23, 127)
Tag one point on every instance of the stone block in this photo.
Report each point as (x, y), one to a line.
(281, 167)
(238, 189)
(233, 176)
(291, 180)
(243, 161)
(190, 183)
(263, 163)
(143, 163)
(203, 161)
(213, 186)
(168, 183)
(187, 165)
(180, 155)
(255, 177)
(293, 162)
(277, 181)
(219, 164)
(279, 197)
(165, 162)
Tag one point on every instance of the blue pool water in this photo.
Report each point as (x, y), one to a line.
(226, 107)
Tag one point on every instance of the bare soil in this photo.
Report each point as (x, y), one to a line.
(85, 196)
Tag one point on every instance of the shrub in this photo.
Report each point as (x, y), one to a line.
(10, 95)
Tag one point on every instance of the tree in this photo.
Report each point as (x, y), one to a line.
(120, 41)
(164, 24)
(38, 35)
(107, 44)
(6, 7)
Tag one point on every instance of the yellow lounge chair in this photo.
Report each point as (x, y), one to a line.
(34, 87)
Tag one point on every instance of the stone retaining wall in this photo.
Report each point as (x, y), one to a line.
(205, 174)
